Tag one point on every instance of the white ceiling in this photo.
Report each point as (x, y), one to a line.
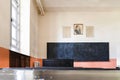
(81, 5)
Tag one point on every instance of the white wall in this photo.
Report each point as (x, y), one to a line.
(34, 29)
(25, 27)
(5, 23)
(106, 28)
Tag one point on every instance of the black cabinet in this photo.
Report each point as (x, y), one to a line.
(58, 62)
(19, 60)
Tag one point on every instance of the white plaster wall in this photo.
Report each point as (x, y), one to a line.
(106, 28)
(25, 27)
(34, 29)
(5, 23)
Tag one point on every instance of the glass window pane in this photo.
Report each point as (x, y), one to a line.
(14, 33)
(15, 11)
(18, 1)
(14, 42)
(14, 24)
(14, 14)
(14, 3)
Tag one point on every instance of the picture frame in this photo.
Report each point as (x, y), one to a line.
(89, 31)
(66, 32)
(78, 29)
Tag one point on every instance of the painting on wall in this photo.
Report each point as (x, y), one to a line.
(89, 31)
(78, 29)
(66, 32)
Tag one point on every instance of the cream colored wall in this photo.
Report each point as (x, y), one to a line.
(5, 23)
(33, 29)
(106, 28)
(25, 27)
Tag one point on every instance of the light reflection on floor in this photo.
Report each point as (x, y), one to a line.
(59, 74)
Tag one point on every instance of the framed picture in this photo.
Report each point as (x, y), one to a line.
(78, 29)
(66, 32)
(89, 31)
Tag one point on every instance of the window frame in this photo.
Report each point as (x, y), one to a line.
(15, 24)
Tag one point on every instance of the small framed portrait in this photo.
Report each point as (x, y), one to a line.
(78, 29)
